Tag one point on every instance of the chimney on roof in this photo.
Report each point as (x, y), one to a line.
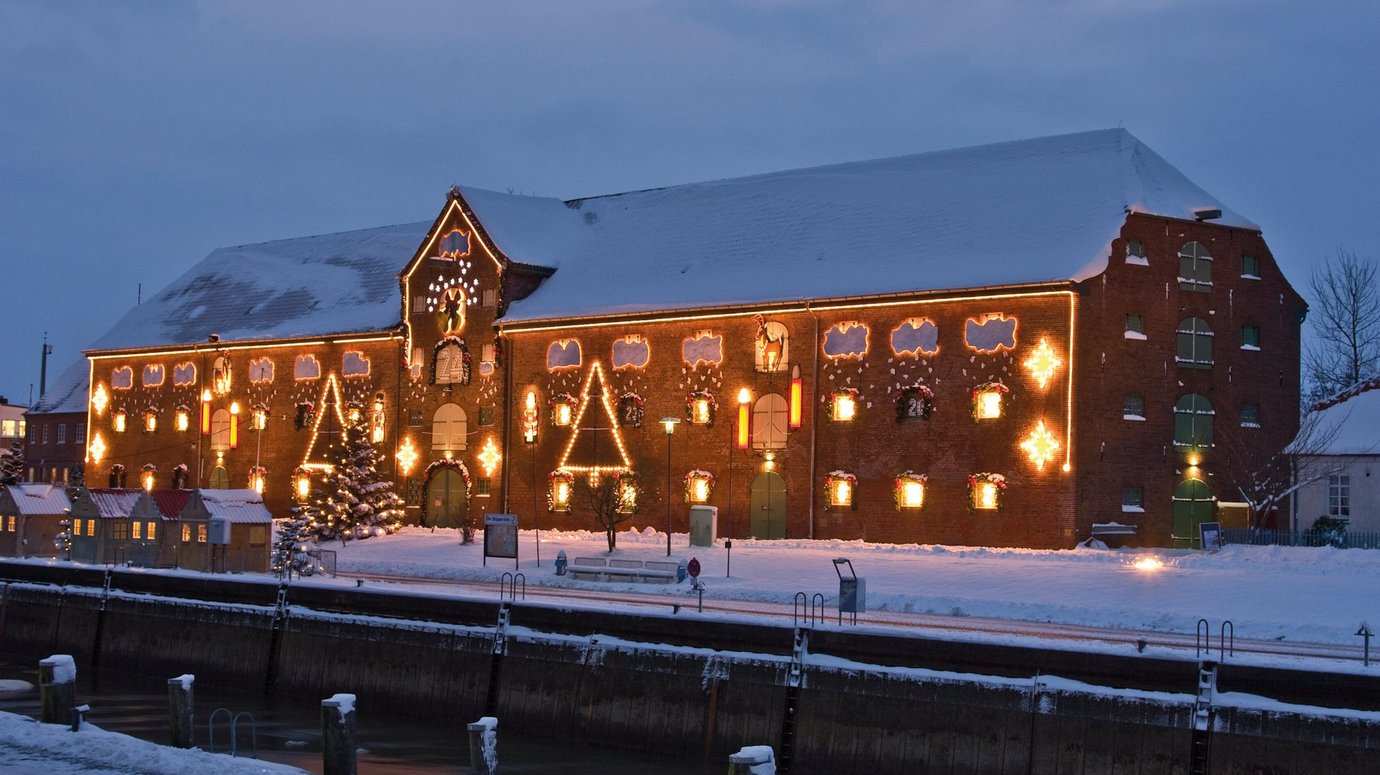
(1207, 214)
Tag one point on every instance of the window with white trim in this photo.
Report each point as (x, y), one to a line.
(1195, 344)
(1195, 268)
(1339, 496)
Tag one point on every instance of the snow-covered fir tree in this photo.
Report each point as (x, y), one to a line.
(288, 554)
(354, 500)
(12, 465)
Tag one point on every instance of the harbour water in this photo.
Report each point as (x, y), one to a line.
(287, 730)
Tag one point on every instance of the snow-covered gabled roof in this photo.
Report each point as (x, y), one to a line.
(111, 502)
(67, 393)
(310, 286)
(1346, 424)
(37, 499)
(1015, 213)
(238, 506)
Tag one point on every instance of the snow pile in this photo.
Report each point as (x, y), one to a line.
(489, 739)
(64, 668)
(343, 703)
(53, 749)
(761, 757)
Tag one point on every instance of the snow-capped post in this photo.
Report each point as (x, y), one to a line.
(181, 725)
(338, 735)
(484, 745)
(752, 760)
(57, 688)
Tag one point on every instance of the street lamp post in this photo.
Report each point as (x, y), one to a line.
(670, 424)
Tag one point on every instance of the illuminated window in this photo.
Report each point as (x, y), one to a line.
(201, 533)
(1250, 267)
(840, 488)
(632, 351)
(984, 491)
(700, 407)
(150, 421)
(1195, 268)
(448, 428)
(1135, 253)
(1250, 337)
(1193, 421)
(987, 400)
(186, 533)
(843, 405)
(1135, 326)
(90, 528)
(563, 410)
(1195, 344)
(117, 421)
(559, 489)
(699, 485)
(76, 527)
(770, 415)
(182, 419)
(910, 490)
(137, 531)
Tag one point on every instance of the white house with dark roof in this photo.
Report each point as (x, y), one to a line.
(1340, 461)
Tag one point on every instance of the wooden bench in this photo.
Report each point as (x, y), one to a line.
(603, 569)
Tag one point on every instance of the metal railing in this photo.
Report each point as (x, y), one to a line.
(1341, 540)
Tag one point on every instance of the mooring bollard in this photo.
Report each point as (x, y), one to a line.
(752, 760)
(180, 721)
(57, 688)
(338, 735)
(484, 746)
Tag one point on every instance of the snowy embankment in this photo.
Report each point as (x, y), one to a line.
(1317, 595)
(54, 749)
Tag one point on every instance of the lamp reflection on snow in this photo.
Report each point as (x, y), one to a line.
(1148, 564)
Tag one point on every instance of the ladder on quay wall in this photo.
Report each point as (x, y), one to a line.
(795, 678)
(1200, 748)
(496, 664)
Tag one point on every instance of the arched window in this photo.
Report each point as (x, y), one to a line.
(220, 479)
(448, 428)
(1193, 421)
(1195, 268)
(771, 351)
(769, 417)
(220, 430)
(1195, 344)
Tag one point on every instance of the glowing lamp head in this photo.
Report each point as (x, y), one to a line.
(234, 407)
(206, 396)
(669, 423)
(744, 396)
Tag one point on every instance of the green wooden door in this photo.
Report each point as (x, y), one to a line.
(768, 506)
(445, 499)
(1193, 505)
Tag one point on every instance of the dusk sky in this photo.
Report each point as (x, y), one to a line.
(135, 137)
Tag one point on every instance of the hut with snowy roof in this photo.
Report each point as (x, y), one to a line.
(1337, 461)
(31, 517)
(998, 345)
(226, 531)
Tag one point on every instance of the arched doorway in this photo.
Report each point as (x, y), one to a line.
(446, 498)
(768, 506)
(1193, 505)
(220, 479)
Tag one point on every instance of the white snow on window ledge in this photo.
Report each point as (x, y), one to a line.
(1249, 424)
(1138, 260)
(1132, 509)
(1250, 277)
(1135, 417)
(1135, 335)
(1255, 348)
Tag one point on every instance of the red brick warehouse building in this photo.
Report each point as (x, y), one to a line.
(999, 345)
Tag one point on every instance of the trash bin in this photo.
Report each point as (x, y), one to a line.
(561, 562)
(852, 590)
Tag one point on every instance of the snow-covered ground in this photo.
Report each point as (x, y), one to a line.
(1295, 594)
(53, 749)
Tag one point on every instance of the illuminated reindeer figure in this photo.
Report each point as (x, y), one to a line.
(772, 347)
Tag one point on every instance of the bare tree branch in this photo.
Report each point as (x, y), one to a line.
(1345, 318)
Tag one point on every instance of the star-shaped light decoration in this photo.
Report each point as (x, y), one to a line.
(1040, 446)
(407, 456)
(489, 457)
(1042, 363)
(97, 448)
(99, 399)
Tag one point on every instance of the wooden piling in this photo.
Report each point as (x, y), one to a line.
(338, 735)
(57, 688)
(484, 745)
(180, 711)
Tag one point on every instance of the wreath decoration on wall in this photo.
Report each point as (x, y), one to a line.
(914, 403)
(559, 400)
(631, 410)
(452, 464)
(551, 480)
(984, 478)
(466, 361)
(711, 407)
(832, 403)
(831, 482)
(986, 387)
